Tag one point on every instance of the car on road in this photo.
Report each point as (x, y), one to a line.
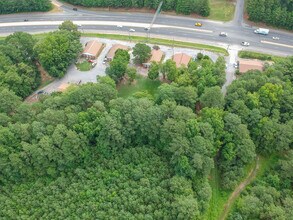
(223, 34)
(146, 28)
(119, 26)
(131, 30)
(198, 24)
(276, 38)
(244, 43)
(25, 20)
(41, 92)
(74, 9)
(79, 25)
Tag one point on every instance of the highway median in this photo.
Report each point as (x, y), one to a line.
(159, 41)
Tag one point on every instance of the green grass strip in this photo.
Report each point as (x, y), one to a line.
(259, 56)
(159, 41)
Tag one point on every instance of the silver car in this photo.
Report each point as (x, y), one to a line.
(223, 34)
(244, 43)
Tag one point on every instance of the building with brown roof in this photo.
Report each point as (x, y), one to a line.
(156, 56)
(181, 59)
(92, 49)
(246, 65)
(112, 51)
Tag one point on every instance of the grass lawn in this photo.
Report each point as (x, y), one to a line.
(159, 41)
(219, 197)
(259, 56)
(222, 10)
(142, 84)
(84, 66)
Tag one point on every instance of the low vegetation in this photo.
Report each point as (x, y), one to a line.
(259, 56)
(84, 66)
(158, 41)
(222, 10)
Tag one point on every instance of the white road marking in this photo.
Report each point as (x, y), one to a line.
(105, 23)
(274, 43)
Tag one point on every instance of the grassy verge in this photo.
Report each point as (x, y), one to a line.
(221, 10)
(142, 84)
(159, 42)
(219, 197)
(259, 56)
(84, 66)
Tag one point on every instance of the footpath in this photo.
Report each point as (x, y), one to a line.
(250, 177)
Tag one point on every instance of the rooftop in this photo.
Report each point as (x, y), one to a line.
(92, 48)
(181, 59)
(114, 48)
(156, 56)
(246, 65)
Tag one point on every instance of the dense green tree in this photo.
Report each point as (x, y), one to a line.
(13, 6)
(131, 73)
(277, 13)
(169, 69)
(141, 53)
(180, 6)
(57, 51)
(212, 97)
(154, 71)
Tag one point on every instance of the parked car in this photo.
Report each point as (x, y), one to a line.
(131, 30)
(74, 9)
(244, 43)
(223, 34)
(198, 24)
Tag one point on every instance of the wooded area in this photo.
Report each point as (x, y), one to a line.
(87, 154)
(14, 6)
(278, 13)
(180, 6)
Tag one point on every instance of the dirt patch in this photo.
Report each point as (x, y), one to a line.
(55, 9)
(45, 77)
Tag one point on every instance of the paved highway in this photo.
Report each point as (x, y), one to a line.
(176, 27)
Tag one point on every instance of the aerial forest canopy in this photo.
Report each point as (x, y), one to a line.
(180, 6)
(278, 13)
(14, 6)
(87, 154)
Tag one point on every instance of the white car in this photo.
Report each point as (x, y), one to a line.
(244, 43)
(119, 26)
(223, 34)
(131, 30)
(276, 38)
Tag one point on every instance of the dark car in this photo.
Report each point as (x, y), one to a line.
(25, 20)
(74, 9)
(41, 92)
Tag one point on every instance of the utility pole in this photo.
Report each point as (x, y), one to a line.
(154, 18)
